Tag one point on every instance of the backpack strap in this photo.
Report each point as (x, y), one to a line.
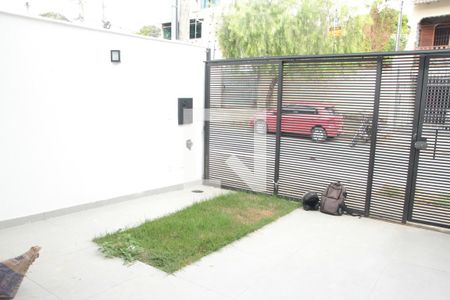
(350, 212)
(342, 188)
(327, 190)
(342, 191)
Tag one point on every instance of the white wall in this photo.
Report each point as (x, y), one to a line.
(76, 128)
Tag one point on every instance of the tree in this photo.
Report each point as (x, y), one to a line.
(283, 27)
(290, 27)
(150, 30)
(252, 28)
(55, 16)
(381, 30)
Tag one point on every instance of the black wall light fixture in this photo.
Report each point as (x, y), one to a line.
(115, 55)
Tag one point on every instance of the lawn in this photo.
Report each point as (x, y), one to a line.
(174, 241)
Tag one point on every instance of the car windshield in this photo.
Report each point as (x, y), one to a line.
(299, 109)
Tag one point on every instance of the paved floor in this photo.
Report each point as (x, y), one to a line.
(304, 255)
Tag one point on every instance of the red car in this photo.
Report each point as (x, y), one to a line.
(317, 119)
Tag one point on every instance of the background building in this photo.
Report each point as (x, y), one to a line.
(197, 22)
(430, 25)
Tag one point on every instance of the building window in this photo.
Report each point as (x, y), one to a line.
(195, 28)
(442, 36)
(437, 107)
(208, 3)
(167, 31)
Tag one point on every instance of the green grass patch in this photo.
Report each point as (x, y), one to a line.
(174, 241)
(437, 200)
(391, 191)
(395, 192)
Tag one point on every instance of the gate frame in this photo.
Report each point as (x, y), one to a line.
(206, 116)
(419, 113)
(414, 154)
(419, 107)
(276, 173)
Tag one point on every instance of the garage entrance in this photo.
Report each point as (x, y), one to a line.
(290, 125)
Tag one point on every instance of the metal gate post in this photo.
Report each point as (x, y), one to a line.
(419, 107)
(373, 142)
(206, 115)
(276, 178)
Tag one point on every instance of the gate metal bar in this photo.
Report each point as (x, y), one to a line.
(278, 133)
(414, 163)
(373, 144)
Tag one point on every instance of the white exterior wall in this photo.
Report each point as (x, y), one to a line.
(424, 10)
(76, 128)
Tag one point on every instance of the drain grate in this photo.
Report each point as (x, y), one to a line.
(197, 191)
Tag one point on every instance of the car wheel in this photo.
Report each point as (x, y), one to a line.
(318, 134)
(260, 126)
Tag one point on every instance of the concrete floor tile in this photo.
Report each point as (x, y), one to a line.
(409, 282)
(427, 249)
(170, 287)
(31, 291)
(17, 240)
(323, 275)
(85, 273)
(228, 271)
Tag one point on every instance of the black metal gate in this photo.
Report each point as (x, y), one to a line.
(288, 125)
(430, 174)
